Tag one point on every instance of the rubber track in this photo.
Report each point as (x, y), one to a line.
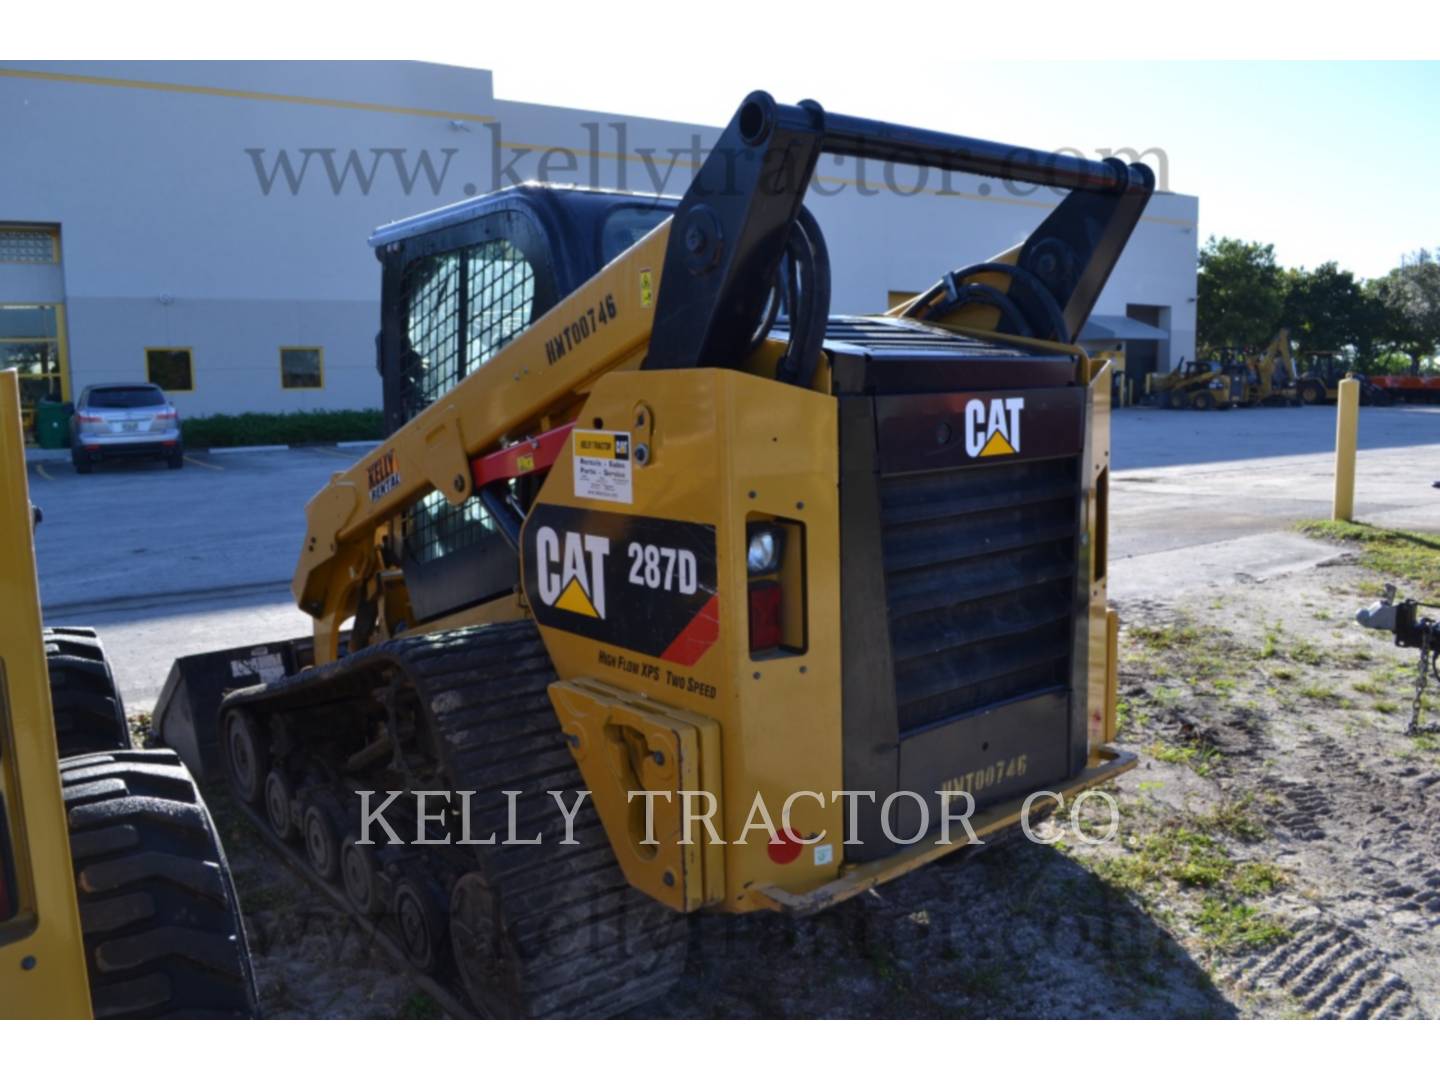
(591, 946)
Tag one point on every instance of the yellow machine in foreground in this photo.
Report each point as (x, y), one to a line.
(115, 897)
(653, 524)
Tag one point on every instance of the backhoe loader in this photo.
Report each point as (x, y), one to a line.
(1270, 377)
(115, 897)
(785, 594)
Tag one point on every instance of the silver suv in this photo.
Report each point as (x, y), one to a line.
(124, 420)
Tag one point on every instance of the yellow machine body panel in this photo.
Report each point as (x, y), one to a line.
(42, 958)
(723, 449)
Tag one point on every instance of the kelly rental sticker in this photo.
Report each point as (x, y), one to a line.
(602, 465)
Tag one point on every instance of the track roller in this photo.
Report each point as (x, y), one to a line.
(280, 806)
(247, 756)
(322, 838)
(360, 874)
(422, 925)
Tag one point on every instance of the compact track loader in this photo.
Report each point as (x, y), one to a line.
(1202, 385)
(115, 896)
(651, 523)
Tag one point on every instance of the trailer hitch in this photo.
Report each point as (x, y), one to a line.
(1412, 631)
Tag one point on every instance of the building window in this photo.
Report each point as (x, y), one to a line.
(26, 245)
(302, 367)
(170, 369)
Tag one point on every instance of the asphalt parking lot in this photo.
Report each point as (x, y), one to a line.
(166, 563)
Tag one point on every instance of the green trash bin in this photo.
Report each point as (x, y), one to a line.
(52, 423)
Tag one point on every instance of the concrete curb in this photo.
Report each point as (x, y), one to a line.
(35, 455)
(263, 449)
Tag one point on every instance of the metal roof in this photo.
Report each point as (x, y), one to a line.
(1120, 328)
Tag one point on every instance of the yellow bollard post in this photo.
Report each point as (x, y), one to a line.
(1347, 424)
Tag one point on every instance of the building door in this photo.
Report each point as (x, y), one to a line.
(32, 341)
(32, 314)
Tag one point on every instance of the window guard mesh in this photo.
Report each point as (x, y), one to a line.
(450, 332)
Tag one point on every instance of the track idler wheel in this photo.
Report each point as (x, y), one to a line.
(421, 925)
(247, 756)
(322, 838)
(280, 806)
(360, 874)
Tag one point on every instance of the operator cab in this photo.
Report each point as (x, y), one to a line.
(461, 281)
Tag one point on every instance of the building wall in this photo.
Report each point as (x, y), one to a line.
(180, 228)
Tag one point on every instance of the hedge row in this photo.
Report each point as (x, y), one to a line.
(263, 429)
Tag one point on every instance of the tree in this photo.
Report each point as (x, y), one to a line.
(1241, 293)
(1327, 310)
(1410, 298)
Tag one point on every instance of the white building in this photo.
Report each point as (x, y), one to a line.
(204, 225)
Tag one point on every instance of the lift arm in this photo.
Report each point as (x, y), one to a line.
(693, 293)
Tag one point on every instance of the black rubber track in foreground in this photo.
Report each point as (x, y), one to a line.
(163, 933)
(535, 930)
(89, 715)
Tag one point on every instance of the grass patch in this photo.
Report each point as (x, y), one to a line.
(1257, 879)
(1270, 647)
(266, 429)
(1321, 695)
(1201, 759)
(1392, 553)
(1232, 926)
(1233, 818)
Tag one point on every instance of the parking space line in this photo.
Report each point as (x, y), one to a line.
(40, 468)
(204, 464)
(332, 453)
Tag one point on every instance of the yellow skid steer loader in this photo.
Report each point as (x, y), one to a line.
(670, 590)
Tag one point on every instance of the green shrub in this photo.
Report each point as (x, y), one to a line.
(264, 429)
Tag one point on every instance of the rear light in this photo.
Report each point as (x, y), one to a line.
(167, 413)
(89, 418)
(766, 631)
(762, 551)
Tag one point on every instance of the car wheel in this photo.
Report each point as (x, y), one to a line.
(82, 462)
(175, 460)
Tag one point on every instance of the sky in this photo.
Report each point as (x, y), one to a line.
(1327, 161)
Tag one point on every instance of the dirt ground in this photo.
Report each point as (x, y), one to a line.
(1277, 855)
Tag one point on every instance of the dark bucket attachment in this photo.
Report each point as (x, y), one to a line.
(187, 716)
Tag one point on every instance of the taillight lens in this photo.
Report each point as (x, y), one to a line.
(90, 418)
(166, 413)
(765, 609)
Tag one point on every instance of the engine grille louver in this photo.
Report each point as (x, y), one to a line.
(979, 571)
